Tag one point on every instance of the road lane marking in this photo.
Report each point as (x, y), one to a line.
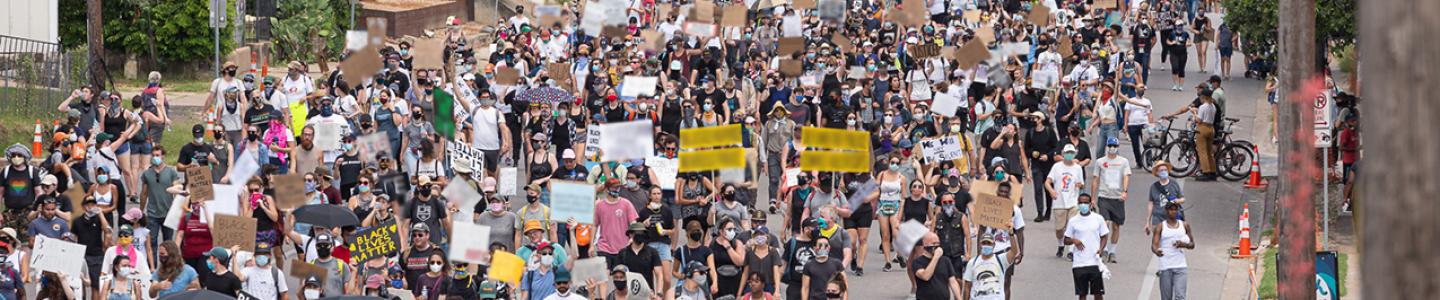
(1148, 285)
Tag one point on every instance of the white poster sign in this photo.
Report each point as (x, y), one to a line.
(626, 140)
(57, 256)
(469, 242)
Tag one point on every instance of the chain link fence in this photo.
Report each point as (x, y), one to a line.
(36, 76)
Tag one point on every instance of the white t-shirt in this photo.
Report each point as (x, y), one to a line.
(1050, 62)
(1066, 180)
(572, 296)
(1002, 237)
(486, 128)
(346, 105)
(1088, 229)
(1138, 115)
(261, 283)
(295, 89)
(1112, 172)
(986, 277)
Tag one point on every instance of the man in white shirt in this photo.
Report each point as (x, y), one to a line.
(263, 279)
(489, 132)
(1112, 178)
(328, 117)
(295, 86)
(1087, 233)
(226, 81)
(1048, 74)
(1085, 75)
(987, 274)
(1064, 185)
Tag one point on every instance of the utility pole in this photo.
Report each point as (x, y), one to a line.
(1397, 245)
(95, 38)
(1296, 255)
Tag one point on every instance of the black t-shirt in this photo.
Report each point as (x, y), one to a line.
(227, 284)
(196, 154)
(20, 186)
(685, 255)
(663, 217)
(579, 172)
(1027, 103)
(88, 232)
(259, 117)
(938, 287)
(821, 272)
(1142, 34)
(797, 254)
(643, 262)
(430, 212)
(462, 288)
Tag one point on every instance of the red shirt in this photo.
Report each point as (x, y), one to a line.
(197, 237)
(1349, 145)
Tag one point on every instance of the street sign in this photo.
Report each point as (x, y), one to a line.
(1324, 106)
(217, 13)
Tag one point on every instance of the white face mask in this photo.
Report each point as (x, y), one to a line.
(126, 271)
(434, 268)
(312, 294)
(547, 259)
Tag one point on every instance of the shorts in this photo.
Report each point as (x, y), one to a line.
(1062, 216)
(124, 149)
(1112, 210)
(1088, 281)
(492, 158)
(1227, 51)
(663, 249)
(889, 208)
(141, 148)
(862, 217)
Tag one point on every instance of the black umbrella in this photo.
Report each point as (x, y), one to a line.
(197, 295)
(353, 298)
(329, 216)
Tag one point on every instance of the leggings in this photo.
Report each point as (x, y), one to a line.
(1042, 199)
(1137, 141)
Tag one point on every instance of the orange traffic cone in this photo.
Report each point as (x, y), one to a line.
(1255, 182)
(35, 151)
(1243, 247)
(210, 122)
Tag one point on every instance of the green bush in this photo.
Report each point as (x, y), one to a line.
(1256, 21)
(179, 29)
(297, 24)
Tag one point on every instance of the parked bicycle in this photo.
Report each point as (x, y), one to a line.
(1232, 156)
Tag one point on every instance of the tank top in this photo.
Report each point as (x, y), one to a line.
(540, 168)
(105, 198)
(917, 210)
(890, 197)
(114, 125)
(1172, 257)
(350, 167)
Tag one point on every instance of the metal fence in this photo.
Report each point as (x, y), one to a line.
(36, 76)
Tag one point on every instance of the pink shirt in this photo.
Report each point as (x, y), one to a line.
(612, 219)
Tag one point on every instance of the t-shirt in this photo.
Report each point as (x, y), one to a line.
(821, 272)
(180, 282)
(1160, 194)
(938, 287)
(417, 262)
(20, 186)
(1138, 115)
(195, 154)
(227, 283)
(1112, 172)
(430, 212)
(797, 254)
(1066, 180)
(764, 267)
(502, 227)
(486, 128)
(642, 262)
(1087, 229)
(334, 283)
(155, 184)
(662, 218)
(685, 255)
(430, 288)
(613, 219)
(986, 277)
(262, 283)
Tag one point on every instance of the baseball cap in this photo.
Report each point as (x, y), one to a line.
(1068, 148)
(324, 239)
(562, 275)
(462, 166)
(487, 290)
(422, 180)
(133, 214)
(568, 154)
(487, 185)
(634, 227)
(49, 180)
(420, 227)
(219, 253)
(533, 225)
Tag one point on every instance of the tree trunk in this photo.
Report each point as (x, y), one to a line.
(95, 37)
(1296, 255)
(1400, 233)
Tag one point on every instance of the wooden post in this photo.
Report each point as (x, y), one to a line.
(1397, 244)
(95, 38)
(1296, 255)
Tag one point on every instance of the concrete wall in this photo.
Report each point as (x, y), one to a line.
(32, 19)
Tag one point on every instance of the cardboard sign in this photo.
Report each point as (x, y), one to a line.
(911, 15)
(228, 231)
(469, 242)
(703, 11)
(241, 58)
(700, 29)
(734, 16)
(971, 54)
(803, 4)
(77, 196)
(993, 211)
(835, 161)
(549, 15)
(843, 42)
(986, 187)
(789, 45)
(302, 270)
(559, 72)
(712, 136)
(653, 40)
(1066, 47)
(429, 53)
(941, 149)
(972, 16)
(362, 63)
(56, 255)
(791, 67)
(505, 267)
(1106, 4)
(289, 191)
(507, 75)
(374, 242)
(571, 199)
(924, 51)
(1039, 15)
(985, 33)
(711, 160)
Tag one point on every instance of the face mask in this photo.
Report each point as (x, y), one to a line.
(531, 198)
(730, 234)
(701, 280)
(326, 111)
(17, 160)
(954, 128)
(1163, 174)
(102, 178)
(262, 260)
(931, 249)
(210, 265)
(613, 192)
(949, 208)
(487, 101)
(312, 294)
(322, 251)
(987, 250)
(253, 137)
(126, 270)
(1112, 150)
(696, 235)
(632, 184)
(999, 175)
(422, 192)
(93, 211)
(156, 161)
(895, 167)
(397, 283)
(1084, 208)
(832, 296)
(434, 268)
(548, 259)
(654, 206)
(850, 122)
(889, 119)
(619, 284)
(460, 274)
(496, 207)
(126, 240)
(1069, 156)
(309, 187)
(822, 253)
(347, 147)
(363, 188)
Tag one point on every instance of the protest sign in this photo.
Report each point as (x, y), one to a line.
(571, 199)
(703, 11)
(700, 29)
(653, 40)
(636, 86)
(911, 15)
(711, 159)
(791, 26)
(242, 296)
(788, 46)
(327, 136)
(843, 42)
(373, 242)
(592, 142)
(832, 10)
(289, 191)
(1066, 49)
(507, 183)
(244, 168)
(861, 193)
(941, 149)
(710, 136)
(666, 169)
(56, 255)
(993, 211)
(590, 269)
(836, 139)
(835, 161)
(594, 19)
(1106, 4)
(372, 144)
(971, 54)
(465, 198)
(626, 140)
(559, 72)
(507, 75)
(396, 185)
(457, 153)
(985, 34)
(362, 63)
(400, 294)
(429, 53)
(926, 50)
(734, 16)
(227, 200)
(77, 197)
(198, 181)
(945, 104)
(910, 234)
(549, 14)
(506, 267)
(469, 242)
(857, 73)
(972, 16)
(1039, 15)
(227, 231)
(176, 212)
(791, 67)
(986, 187)
(301, 269)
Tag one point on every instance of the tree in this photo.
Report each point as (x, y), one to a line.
(1256, 22)
(301, 33)
(178, 31)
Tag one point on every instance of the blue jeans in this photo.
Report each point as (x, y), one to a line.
(1107, 131)
(1173, 283)
(158, 231)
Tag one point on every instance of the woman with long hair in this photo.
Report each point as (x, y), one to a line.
(887, 200)
(173, 275)
(122, 286)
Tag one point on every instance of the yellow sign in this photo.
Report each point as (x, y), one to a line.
(710, 160)
(297, 116)
(708, 137)
(506, 267)
(834, 161)
(835, 139)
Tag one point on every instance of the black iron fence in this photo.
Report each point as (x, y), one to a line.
(36, 76)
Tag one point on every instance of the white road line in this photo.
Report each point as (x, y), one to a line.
(1148, 285)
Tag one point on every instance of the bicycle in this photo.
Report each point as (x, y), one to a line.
(1232, 157)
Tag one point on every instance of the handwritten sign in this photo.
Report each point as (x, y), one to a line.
(465, 197)
(986, 187)
(374, 242)
(592, 142)
(456, 152)
(289, 191)
(506, 267)
(56, 255)
(666, 169)
(570, 199)
(993, 211)
(303, 270)
(926, 50)
(469, 242)
(636, 86)
(590, 268)
(507, 182)
(941, 149)
(626, 140)
(197, 180)
(227, 231)
(327, 136)
(244, 296)
(372, 144)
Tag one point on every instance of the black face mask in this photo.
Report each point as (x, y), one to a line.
(531, 198)
(422, 192)
(322, 251)
(696, 235)
(619, 284)
(252, 137)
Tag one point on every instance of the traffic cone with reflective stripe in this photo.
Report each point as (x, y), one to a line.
(35, 151)
(1255, 182)
(1243, 247)
(210, 121)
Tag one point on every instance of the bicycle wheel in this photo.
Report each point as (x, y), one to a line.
(1151, 155)
(1234, 162)
(1182, 159)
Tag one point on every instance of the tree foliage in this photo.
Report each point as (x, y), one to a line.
(298, 24)
(179, 29)
(1257, 22)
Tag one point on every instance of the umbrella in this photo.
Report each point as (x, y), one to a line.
(545, 94)
(353, 298)
(197, 295)
(330, 216)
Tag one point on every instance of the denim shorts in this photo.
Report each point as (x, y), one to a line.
(663, 249)
(141, 148)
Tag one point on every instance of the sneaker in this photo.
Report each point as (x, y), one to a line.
(1070, 256)
(1111, 257)
(1038, 220)
(859, 272)
(1059, 251)
(887, 267)
(900, 261)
